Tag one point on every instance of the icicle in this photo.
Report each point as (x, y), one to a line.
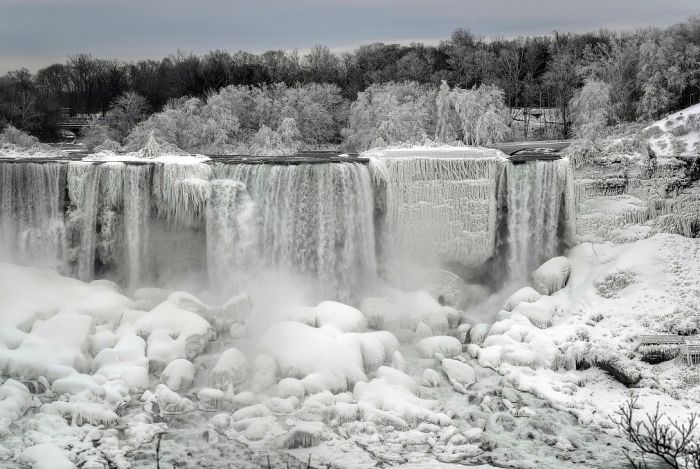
(181, 191)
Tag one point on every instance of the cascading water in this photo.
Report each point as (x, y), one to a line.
(539, 198)
(137, 212)
(31, 213)
(177, 224)
(232, 236)
(315, 220)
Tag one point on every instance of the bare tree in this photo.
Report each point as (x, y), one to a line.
(676, 443)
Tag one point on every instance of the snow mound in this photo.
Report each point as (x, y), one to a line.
(301, 350)
(444, 345)
(676, 134)
(230, 369)
(46, 456)
(178, 375)
(551, 276)
(524, 295)
(460, 374)
(331, 313)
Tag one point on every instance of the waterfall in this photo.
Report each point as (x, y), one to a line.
(31, 214)
(538, 222)
(137, 212)
(175, 225)
(83, 187)
(314, 220)
(232, 236)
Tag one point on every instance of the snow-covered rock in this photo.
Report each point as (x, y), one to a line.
(524, 295)
(551, 276)
(178, 374)
(460, 374)
(444, 345)
(230, 369)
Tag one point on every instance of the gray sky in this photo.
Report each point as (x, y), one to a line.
(35, 33)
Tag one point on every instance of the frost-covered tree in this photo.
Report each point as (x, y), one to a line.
(446, 117)
(491, 128)
(285, 141)
(473, 105)
(590, 108)
(126, 111)
(389, 114)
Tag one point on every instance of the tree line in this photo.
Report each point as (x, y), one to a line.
(647, 73)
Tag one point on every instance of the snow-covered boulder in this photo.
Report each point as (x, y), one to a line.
(524, 295)
(170, 401)
(290, 387)
(551, 276)
(444, 345)
(300, 350)
(230, 369)
(188, 302)
(238, 308)
(178, 375)
(460, 374)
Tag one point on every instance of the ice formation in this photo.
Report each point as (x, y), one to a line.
(438, 204)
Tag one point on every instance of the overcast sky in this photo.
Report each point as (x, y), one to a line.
(35, 33)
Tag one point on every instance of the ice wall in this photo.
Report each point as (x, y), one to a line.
(624, 194)
(438, 205)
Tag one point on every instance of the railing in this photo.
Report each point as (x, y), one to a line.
(689, 346)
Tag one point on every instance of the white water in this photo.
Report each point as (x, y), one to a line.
(31, 214)
(538, 224)
(232, 236)
(177, 225)
(315, 220)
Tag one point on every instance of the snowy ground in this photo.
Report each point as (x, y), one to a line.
(90, 376)
(676, 134)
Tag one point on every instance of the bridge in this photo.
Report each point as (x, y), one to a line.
(73, 123)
